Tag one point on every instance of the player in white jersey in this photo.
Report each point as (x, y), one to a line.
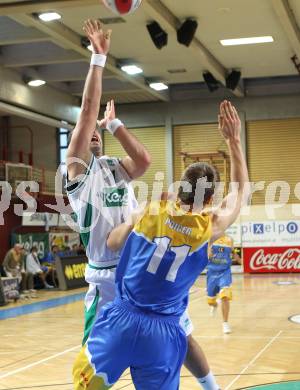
(101, 196)
(99, 187)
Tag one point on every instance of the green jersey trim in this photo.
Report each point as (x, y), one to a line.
(101, 268)
(87, 224)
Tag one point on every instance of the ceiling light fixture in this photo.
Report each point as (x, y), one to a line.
(158, 86)
(246, 41)
(49, 16)
(36, 83)
(131, 69)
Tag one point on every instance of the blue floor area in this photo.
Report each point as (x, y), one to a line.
(39, 306)
(292, 385)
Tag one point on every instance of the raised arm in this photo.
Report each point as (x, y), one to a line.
(118, 236)
(138, 159)
(228, 211)
(79, 147)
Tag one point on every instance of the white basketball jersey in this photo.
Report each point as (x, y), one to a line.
(102, 198)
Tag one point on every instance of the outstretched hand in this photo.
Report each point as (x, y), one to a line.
(100, 40)
(229, 121)
(109, 115)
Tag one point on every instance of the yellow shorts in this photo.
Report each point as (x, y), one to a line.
(225, 292)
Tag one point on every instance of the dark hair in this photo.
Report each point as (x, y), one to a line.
(34, 248)
(192, 176)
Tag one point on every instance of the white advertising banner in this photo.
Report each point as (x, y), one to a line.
(270, 233)
(64, 240)
(39, 219)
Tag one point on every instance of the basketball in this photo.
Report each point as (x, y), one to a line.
(122, 7)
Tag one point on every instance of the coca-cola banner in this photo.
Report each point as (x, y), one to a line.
(271, 259)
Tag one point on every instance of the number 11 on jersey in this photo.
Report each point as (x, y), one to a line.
(163, 245)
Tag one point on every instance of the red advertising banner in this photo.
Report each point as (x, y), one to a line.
(271, 259)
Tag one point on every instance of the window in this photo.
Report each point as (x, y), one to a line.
(62, 145)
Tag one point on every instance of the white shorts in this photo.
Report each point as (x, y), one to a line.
(186, 323)
(103, 281)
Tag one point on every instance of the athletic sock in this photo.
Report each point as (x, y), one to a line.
(209, 382)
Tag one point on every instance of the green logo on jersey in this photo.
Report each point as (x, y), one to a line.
(115, 197)
(111, 163)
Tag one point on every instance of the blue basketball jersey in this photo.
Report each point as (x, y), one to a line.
(162, 258)
(220, 255)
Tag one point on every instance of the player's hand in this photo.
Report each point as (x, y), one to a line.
(135, 216)
(229, 122)
(100, 40)
(109, 115)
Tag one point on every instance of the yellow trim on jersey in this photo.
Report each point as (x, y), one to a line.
(167, 219)
(224, 241)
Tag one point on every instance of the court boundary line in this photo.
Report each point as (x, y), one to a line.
(249, 374)
(254, 359)
(241, 337)
(30, 308)
(36, 363)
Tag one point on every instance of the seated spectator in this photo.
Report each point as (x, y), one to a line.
(75, 248)
(34, 267)
(49, 259)
(81, 250)
(13, 266)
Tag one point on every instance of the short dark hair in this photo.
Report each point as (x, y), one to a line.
(34, 249)
(191, 176)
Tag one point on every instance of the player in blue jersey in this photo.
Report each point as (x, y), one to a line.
(219, 277)
(162, 257)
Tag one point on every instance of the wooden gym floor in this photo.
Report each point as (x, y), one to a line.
(37, 350)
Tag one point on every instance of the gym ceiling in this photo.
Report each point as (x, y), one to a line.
(54, 51)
